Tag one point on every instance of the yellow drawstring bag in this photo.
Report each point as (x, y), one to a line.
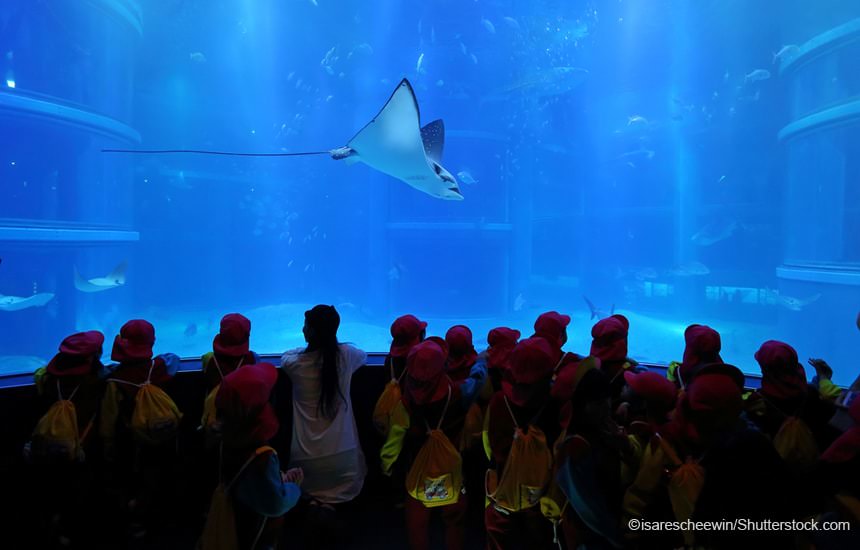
(436, 475)
(527, 473)
(386, 403)
(56, 435)
(219, 532)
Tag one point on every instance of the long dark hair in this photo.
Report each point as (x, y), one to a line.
(321, 324)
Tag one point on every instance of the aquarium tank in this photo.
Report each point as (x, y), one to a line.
(677, 162)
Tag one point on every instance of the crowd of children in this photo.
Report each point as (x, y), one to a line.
(557, 449)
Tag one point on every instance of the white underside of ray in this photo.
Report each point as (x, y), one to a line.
(99, 284)
(391, 143)
(16, 303)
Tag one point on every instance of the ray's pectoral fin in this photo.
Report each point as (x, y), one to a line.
(81, 283)
(118, 274)
(433, 137)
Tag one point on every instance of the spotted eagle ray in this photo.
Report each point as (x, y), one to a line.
(394, 143)
(17, 303)
(115, 279)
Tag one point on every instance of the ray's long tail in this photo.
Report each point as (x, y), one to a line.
(204, 152)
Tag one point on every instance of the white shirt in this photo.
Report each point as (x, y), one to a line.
(327, 450)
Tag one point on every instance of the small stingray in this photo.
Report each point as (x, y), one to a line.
(115, 279)
(17, 303)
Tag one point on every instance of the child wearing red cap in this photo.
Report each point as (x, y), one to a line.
(500, 342)
(521, 412)
(609, 344)
(785, 394)
(590, 458)
(143, 469)
(63, 474)
(702, 347)
(431, 403)
(261, 494)
(406, 332)
(708, 430)
(552, 326)
(230, 350)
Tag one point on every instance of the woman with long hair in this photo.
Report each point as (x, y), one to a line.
(325, 440)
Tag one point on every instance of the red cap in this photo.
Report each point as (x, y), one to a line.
(782, 375)
(77, 353)
(461, 351)
(405, 332)
(501, 340)
(717, 394)
(134, 341)
(531, 364)
(503, 336)
(609, 338)
(232, 340)
(568, 378)
(552, 325)
(653, 388)
(243, 399)
(426, 381)
(702, 346)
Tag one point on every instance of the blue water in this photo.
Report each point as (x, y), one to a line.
(631, 152)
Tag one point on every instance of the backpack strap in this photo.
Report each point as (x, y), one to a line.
(218, 365)
(60, 392)
(444, 412)
(89, 427)
(391, 370)
(260, 451)
(149, 374)
(514, 418)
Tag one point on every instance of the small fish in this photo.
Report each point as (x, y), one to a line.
(463, 49)
(418, 65)
(689, 269)
(197, 57)
(715, 232)
(307, 267)
(645, 273)
(637, 120)
(595, 312)
(190, 330)
(519, 302)
(474, 59)
(786, 52)
(364, 49)
(722, 179)
(757, 75)
(290, 263)
(466, 177)
(796, 304)
(637, 154)
(512, 23)
(488, 25)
